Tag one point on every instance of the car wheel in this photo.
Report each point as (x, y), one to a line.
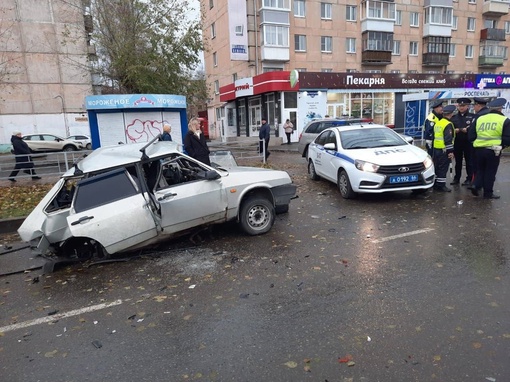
(344, 185)
(311, 171)
(257, 215)
(69, 148)
(89, 146)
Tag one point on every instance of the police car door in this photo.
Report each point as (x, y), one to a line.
(326, 164)
(112, 209)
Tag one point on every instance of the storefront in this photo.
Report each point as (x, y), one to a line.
(396, 100)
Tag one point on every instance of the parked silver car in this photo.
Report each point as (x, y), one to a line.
(85, 141)
(125, 197)
(317, 126)
(50, 142)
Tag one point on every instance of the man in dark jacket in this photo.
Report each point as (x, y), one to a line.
(23, 159)
(462, 148)
(428, 126)
(167, 129)
(264, 135)
(195, 143)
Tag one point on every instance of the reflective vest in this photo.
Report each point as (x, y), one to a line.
(429, 124)
(489, 128)
(439, 133)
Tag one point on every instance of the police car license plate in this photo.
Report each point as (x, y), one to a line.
(403, 179)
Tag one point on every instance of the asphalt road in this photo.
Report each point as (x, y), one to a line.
(380, 288)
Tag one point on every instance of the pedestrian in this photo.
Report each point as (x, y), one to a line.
(195, 143)
(167, 129)
(264, 135)
(289, 129)
(462, 147)
(428, 126)
(23, 158)
(443, 147)
(490, 136)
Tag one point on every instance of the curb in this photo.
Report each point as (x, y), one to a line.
(10, 225)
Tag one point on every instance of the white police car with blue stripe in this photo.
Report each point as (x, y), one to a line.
(369, 159)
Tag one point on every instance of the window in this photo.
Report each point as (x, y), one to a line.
(437, 44)
(350, 12)
(471, 23)
(381, 10)
(350, 45)
(215, 59)
(488, 23)
(279, 4)
(413, 48)
(326, 44)
(301, 69)
(276, 35)
(438, 15)
(398, 17)
(455, 22)
(395, 71)
(234, 77)
(469, 51)
(396, 48)
(326, 70)
(216, 87)
(507, 27)
(213, 30)
(351, 71)
(299, 8)
(414, 19)
(300, 43)
(326, 11)
(211, 4)
(453, 48)
(239, 30)
(381, 41)
(472, 1)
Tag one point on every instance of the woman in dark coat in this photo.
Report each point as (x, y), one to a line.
(23, 158)
(195, 144)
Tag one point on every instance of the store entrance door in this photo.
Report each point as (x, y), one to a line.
(336, 110)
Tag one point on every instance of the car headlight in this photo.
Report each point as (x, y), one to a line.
(428, 162)
(365, 166)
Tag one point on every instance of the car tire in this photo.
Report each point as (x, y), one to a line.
(344, 185)
(257, 215)
(89, 146)
(311, 171)
(69, 148)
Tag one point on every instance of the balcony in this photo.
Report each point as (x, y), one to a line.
(490, 61)
(435, 59)
(495, 8)
(492, 34)
(375, 57)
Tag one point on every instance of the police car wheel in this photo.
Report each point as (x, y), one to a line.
(344, 185)
(311, 171)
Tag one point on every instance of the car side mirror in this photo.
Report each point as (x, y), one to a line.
(330, 146)
(208, 175)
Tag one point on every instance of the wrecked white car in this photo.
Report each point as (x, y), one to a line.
(125, 197)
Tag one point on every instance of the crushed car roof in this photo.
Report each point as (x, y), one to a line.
(114, 156)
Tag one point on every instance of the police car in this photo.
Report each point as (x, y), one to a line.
(369, 159)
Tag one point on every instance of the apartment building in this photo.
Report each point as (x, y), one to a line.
(247, 40)
(44, 67)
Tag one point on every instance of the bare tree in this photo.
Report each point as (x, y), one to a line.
(146, 46)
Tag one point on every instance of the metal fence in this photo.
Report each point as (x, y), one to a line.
(45, 164)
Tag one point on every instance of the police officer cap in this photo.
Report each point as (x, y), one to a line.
(497, 103)
(435, 103)
(449, 109)
(463, 101)
(481, 100)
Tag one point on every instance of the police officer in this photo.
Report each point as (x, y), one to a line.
(428, 126)
(480, 108)
(462, 148)
(490, 136)
(444, 134)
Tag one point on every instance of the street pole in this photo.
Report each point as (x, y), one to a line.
(66, 125)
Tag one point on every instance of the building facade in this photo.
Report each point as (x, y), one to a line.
(246, 39)
(44, 67)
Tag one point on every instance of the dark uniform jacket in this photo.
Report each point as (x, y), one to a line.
(461, 121)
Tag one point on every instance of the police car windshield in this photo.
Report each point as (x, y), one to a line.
(370, 138)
